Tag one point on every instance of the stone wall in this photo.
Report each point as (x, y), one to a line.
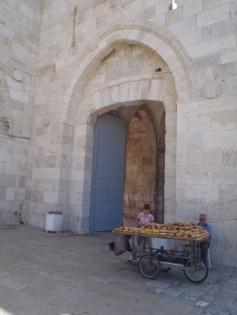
(19, 35)
(141, 166)
(197, 44)
(207, 126)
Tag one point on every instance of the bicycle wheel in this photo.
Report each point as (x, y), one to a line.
(197, 272)
(149, 267)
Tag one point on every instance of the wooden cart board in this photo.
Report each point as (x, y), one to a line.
(199, 238)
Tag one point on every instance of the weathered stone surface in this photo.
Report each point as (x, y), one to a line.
(141, 168)
(214, 15)
(212, 47)
(19, 29)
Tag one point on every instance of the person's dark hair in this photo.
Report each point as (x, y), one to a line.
(146, 206)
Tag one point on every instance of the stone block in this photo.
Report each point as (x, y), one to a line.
(194, 140)
(21, 97)
(229, 85)
(2, 168)
(7, 216)
(159, 19)
(199, 122)
(170, 119)
(218, 30)
(219, 104)
(191, 209)
(227, 192)
(170, 192)
(6, 32)
(211, 4)
(173, 16)
(186, 31)
(184, 108)
(10, 193)
(36, 220)
(224, 120)
(46, 173)
(193, 175)
(224, 175)
(192, 7)
(211, 89)
(34, 195)
(15, 85)
(228, 210)
(50, 197)
(18, 75)
(204, 157)
(229, 157)
(8, 180)
(211, 47)
(229, 70)
(214, 15)
(181, 158)
(2, 193)
(20, 194)
(195, 192)
(230, 240)
(225, 139)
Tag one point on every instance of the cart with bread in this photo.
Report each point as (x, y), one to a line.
(186, 254)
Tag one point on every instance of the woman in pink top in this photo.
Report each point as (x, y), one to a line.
(145, 216)
(140, 243)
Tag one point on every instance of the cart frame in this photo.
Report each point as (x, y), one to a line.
(188, 259)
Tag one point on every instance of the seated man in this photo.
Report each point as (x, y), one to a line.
(204, 246)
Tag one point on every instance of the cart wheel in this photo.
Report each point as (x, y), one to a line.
(197, 273)
(149, 267)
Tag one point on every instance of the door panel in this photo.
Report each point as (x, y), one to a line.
(108, 173)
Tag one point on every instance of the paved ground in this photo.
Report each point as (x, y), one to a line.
(42, 274)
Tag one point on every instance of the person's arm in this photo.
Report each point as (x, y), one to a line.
(209, 230)
(152, 218)
(138, 220)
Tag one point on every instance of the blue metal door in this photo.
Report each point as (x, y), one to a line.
(108, 173)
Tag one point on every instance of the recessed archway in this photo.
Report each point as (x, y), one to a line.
(126, 167)
(82, 106)
(80, 188)
(101, 102)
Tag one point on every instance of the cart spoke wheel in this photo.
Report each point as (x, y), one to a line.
(196, 272)
(149, 267)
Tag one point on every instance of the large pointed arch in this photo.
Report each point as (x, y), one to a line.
(160, 41)
(79, 111)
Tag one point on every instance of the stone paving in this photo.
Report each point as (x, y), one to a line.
(45, 274)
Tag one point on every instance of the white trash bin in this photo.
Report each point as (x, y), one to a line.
(54, 222)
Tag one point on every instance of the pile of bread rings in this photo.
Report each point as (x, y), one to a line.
(182, 230)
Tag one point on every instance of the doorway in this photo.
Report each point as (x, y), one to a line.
(128, 167)
(108, 173)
